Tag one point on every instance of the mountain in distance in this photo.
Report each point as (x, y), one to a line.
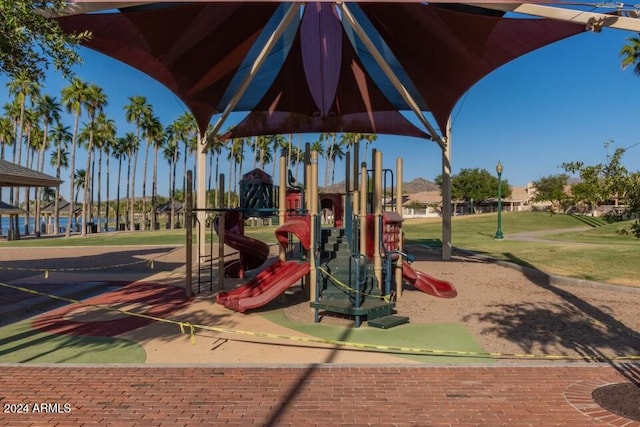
(416, 185)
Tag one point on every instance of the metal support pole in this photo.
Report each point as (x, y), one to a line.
(363, 209)
(446, 197)
(282, 200)
(313, 207)
(201, 197)
(499, 235)
(398, 267)
(221, 227)
(377, 210)
(189, 238)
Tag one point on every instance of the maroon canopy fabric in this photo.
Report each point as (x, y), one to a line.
(323, 84)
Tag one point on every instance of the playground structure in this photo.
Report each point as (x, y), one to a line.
(355, 266)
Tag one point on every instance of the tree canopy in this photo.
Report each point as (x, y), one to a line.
(31, 42)
(475, 184)
(551, 189)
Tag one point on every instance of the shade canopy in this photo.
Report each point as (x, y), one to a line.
(322, 72)
(13, 175)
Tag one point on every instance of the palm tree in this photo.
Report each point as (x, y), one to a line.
(236, 157)
(49, 110)
(278, 142)
(94, 103)
(132, 145)
(6, 137)
(329, 137)
(30, 128)
(6, 134)
(146, 124)
(186, 129)
(79, 179)
(171, 153)
(368, 138)
(74, 98)
(104, 141)
(261, 150)
(154, 131)
(120, 151)
(60, 136)
(630, 54)
(336, 153)
(215, 149)
(135, 112)
(21, 87)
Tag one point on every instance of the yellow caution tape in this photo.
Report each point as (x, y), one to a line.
(345, 344)
(343, 285)
(46, 271)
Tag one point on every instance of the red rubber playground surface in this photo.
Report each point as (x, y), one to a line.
(316, 395)
(145, 299)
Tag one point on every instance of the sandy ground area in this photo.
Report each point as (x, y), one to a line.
(508, 310)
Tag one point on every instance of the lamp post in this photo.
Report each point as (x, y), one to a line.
(499, 235)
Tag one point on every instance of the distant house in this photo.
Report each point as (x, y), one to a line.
(429, 204)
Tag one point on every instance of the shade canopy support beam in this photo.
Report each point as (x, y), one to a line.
(402, 90)
(593, 21)
(292, 12)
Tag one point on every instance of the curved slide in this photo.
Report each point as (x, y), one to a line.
(428, 284)
(299, 227)
(253, 252)
(265, 287)
(275, 279)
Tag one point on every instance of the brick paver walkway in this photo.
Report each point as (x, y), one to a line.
(315, 395)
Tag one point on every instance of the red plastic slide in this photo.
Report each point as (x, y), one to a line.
(299, 227)
(425, 283)
(265, 287)
(253, 252)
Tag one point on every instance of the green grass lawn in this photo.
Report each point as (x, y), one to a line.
(595, 250)
(19, 343)
(592, 249)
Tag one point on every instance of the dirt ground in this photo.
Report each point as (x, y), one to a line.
(512, 310)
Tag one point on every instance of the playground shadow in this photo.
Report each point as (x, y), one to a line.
(573, 323)
(116, 260)
(304, 379)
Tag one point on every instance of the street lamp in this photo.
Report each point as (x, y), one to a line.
(499, 235)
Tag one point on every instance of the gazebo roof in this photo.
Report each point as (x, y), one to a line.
(323, 72)
(13, 175)
(7, 209)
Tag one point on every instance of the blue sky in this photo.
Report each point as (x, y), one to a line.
(557, 104)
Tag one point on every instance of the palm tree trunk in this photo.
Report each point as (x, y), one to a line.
(129, 214)
(72, 182)
(99, 189)
(144, 187)
(118, 194)
(41, 156)
(87, 183)
(173, 195)
(132, 212)
(56, 203)
(154, 187)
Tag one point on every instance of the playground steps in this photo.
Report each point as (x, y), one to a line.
(370, 309)
(387, 322)
(205, 271)
(335, 257)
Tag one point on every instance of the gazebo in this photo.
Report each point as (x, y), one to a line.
(311, 67)
(13, 175)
